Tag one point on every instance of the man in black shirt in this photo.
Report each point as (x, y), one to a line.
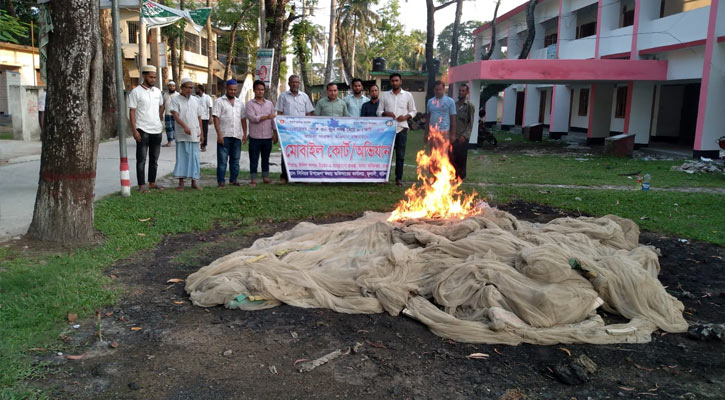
(370, 108)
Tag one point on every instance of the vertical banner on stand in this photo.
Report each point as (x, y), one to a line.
(263, 69)
(326, 149)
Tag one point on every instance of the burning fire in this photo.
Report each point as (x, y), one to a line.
(438, 196)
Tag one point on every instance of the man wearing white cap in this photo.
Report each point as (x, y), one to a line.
(168, 119)
(185, 110)
(145, 104)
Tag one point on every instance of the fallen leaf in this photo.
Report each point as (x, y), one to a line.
(643, 368)
(629, 389)
(376, 345)
(565, 350)
(122, 318)
(72, 317)
(136, 328)
(144, 219)
(175, 280)
(301, 360)
(114, 344)
(478, 356)
(108, 314)
(141, 234)
(202, 238)
(78, 357)
(114, 276)
(179, 302)
(497, 351)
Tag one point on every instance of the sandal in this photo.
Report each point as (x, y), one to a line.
(157, 187)
(143, 189)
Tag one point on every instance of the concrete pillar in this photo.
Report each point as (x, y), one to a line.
(600, 112)
(710, 115)
(532, 100)
(560, 108)
(491, 111)
(639, 111)
(508, 119)
(475, 97)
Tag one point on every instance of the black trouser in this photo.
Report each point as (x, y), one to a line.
(205, 126)
(259, 147)
(151, 144)
(401, 138)
(459, 156)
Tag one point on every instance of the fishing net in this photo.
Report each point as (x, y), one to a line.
(489, 278)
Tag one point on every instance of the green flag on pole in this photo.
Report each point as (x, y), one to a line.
(155, 15)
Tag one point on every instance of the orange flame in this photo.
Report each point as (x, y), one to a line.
(438, 196)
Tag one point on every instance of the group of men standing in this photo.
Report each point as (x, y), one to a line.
(186, 120)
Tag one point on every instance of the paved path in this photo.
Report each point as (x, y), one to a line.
(714, 190)
(20, 167)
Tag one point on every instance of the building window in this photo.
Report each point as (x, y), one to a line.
(585, 30)
(627, 17)
(621, 109)
(583, 102)
(191, 42)
(132, 32)
(550, 39)
(204, 47)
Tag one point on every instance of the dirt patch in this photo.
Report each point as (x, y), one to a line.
(188, 352)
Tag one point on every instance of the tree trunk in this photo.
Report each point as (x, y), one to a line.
(209, 54)
(110, 101)
(64, 201)
(182, 45)
(492, 45)
(279, 28)
(331, 42)
(429, 39)
(352, 52)
(230, 54)
(491, 90)
(344, 56)
(11, 8)
(174, 62)
(300, 49)
(454, 41)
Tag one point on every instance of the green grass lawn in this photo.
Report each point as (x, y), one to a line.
(37, 292)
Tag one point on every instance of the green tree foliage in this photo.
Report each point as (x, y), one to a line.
(11, 29)
(465, 39)
(401, 50)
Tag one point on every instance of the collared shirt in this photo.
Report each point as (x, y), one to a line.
(370, 109)
(296, 105)
(205, 103)
(398, 104)
(328, 108)
(146, 102)
(230, 116)
(440, 111)
(167, 101)
(260, 129)
(188, 111)
(464, 118)
(354, 104)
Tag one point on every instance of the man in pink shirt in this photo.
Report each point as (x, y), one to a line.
(262, 132)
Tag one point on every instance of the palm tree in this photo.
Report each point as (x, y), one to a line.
(307, 39)
(358, 15)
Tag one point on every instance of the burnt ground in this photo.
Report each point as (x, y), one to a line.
(187, 352)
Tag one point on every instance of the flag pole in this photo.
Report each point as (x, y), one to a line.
(121, 118)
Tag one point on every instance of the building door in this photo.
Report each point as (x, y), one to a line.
(688, 120)
(542, 105)
(520, 98)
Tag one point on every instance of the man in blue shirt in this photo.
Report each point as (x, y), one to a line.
(355, 100)
(441, 112)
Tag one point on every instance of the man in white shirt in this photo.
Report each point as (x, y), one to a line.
(206, 109)
(295, 103)
(146, 106)
(185, 110)
(398, 104)
(168, 118)
(231, 130)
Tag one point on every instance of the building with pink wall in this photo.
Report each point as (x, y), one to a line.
(653, 68)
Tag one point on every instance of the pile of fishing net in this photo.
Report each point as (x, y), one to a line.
(489, 278)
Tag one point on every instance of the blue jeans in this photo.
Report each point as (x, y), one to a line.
(259, 147)
(401, 138)
(231, 150)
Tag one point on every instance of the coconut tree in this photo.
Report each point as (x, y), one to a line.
(355, 16)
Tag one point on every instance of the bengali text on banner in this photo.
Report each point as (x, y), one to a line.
(332, 149)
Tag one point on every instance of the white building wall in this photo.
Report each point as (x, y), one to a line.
(579, 121)
(616, 124)
(684, 63)
(673, 30)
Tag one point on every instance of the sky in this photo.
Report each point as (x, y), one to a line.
(413, 12)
